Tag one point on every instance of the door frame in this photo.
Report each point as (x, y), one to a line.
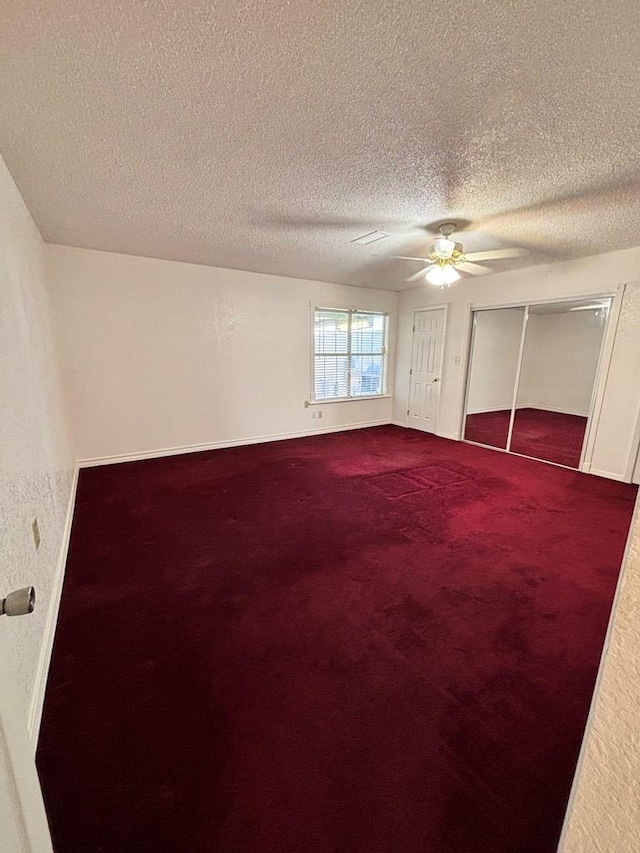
(438, 307)
(602, 371)
(21, 794)
(602, 377)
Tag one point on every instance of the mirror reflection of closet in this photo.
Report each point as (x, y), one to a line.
(497, 334)
(557, 377)
(552, 371)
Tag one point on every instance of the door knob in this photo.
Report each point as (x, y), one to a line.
(19, 603)
(436, 379)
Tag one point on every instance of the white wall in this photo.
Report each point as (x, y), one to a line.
(560, 361)
(161, 355)
(496, 346)
(36, 460)
(588, 276)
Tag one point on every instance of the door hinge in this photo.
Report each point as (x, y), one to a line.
(407, 411)
(414, 328)
(411, 372)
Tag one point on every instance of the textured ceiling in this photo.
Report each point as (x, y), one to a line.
(267, 135)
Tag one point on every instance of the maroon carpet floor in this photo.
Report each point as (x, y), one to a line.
(551, 436)
(361, 642)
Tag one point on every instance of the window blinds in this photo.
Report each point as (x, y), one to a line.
(349, 353)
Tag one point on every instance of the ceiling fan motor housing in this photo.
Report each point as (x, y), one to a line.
(444, 246)
(447, 228)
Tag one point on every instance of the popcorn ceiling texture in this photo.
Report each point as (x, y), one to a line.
(36, 463)
(605, 814)
(266, 136)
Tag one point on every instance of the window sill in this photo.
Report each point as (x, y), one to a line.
(362, 399)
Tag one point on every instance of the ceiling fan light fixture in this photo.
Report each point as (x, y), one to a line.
(443, 247)
(442, 276)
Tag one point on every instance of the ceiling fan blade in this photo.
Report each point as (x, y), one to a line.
(496, 254)
(405, 258)
(474, 269)
(418, 274)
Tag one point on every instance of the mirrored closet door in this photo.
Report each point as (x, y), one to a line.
(497, 338)
(532, 375)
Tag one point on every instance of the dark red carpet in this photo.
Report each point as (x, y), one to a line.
(488, 427)
(551, 436)
(361, 642)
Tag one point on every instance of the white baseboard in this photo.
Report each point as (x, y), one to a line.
(437, 434)
(219, 445)
(619, 477)
(37, 701)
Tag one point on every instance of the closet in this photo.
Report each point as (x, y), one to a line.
(532, 377)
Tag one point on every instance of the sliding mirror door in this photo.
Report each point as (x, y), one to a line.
(560, 361)
(495, 349)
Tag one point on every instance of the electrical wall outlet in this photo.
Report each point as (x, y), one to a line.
(35, 532)
(319, 413)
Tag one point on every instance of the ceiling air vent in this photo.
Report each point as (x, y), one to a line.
(371, 237)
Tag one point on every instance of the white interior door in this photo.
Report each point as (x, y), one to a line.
(426, 368)
(23, 822)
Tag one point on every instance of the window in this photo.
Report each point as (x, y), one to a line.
(350, 353)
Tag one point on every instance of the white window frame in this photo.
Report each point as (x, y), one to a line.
(317, 401)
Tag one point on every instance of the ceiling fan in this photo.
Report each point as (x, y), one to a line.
(446, 257)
